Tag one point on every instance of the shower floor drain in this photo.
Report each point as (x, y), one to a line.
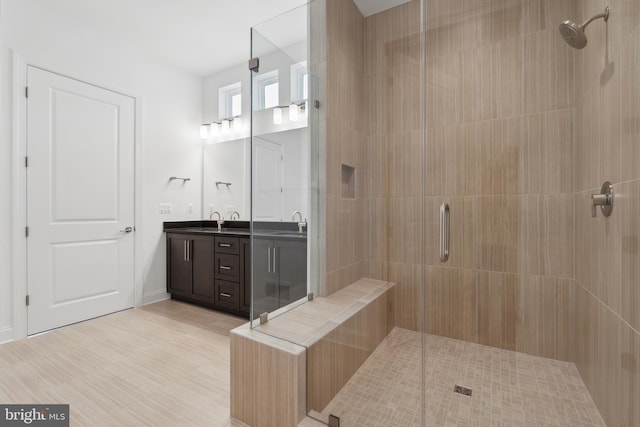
(462, 390)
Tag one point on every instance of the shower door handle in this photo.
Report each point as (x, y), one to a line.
(444, 232)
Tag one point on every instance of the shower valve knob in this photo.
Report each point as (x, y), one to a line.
(604, 200)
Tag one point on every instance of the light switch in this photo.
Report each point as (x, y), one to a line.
(166, 208)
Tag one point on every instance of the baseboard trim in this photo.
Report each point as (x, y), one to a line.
(6, 335)
(155, 296)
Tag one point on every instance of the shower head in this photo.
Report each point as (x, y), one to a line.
(573, 33)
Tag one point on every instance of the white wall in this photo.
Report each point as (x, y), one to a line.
(169, 137)
(6, 312)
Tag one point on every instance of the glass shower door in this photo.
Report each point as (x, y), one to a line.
(281, 218)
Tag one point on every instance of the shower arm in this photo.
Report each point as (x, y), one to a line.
(604, 15)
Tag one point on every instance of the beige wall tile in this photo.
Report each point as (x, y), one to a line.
(477, 94)
(496, 293)
(545, 14)
(587, 146)
(546, 154)
(630, 108)
(408, 294)
(586, 344)
(628, 214)
(507, 67)
(443, 103)
(565, 316)
(608, 370)
(548, 70)
(496, 228)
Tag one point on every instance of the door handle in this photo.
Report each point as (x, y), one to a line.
(274, 260)
(225, 245)
(444, 232)
(268, 260)
(224, 267)
(127, 230)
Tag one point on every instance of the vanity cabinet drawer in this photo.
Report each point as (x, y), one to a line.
(227, 295)
(227, 267)
(228, 245)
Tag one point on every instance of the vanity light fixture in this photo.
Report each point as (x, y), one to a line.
(225, 127)
(277, 116)
(293, 112)
(214, 129)
(237, 124)
(204, 131)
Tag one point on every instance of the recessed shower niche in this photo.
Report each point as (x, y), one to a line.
(348, 187)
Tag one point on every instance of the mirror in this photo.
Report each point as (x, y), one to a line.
(281, 171)
(280, 153)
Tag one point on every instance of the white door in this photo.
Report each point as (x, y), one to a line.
(267, 180)
(80, 200)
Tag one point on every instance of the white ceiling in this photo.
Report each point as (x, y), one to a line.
(201, 36)
(371, 7)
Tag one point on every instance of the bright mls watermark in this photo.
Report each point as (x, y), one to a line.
(34, 415)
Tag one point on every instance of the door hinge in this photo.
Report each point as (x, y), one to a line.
(254, 64)
(26, 162)
(26, 232)
(27, 300)
(26, 91)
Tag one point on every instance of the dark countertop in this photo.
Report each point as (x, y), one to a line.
(278, 230)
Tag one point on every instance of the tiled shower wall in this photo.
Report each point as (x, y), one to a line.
(521, 130)
(395, 156)
(345, 251)
(499, 152)
(607, 250)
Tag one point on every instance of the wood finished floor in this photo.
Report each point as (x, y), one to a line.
(165, 364)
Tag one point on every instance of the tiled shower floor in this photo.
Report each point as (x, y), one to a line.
(509, 388)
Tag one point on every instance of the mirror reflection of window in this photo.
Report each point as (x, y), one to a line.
(299, 82)
(230, 101)
(266, 89)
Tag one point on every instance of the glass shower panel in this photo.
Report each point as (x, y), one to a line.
(364, 369)
(281, 220)
(521, 129)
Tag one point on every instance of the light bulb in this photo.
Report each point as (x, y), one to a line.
(204, 131)
(225, 127)
(293, 113)
(214, 129)
(237, 124)
(277, 116)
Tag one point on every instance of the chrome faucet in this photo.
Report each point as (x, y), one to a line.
(236, 214)
(220, 219)
(301, 224)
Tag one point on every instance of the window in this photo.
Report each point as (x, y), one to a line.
(299, 82)
(266, 90)
(230, 101)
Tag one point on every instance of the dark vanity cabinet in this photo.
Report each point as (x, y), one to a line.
(213, 268)
(209, 270)
(190, 272)
(280, 272)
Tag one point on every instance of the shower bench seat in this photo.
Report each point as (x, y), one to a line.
(298, 361)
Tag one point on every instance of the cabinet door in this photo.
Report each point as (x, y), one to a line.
(291, 268)
(202, 253)
(178, 264)
(245, 275)
(265, 287)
